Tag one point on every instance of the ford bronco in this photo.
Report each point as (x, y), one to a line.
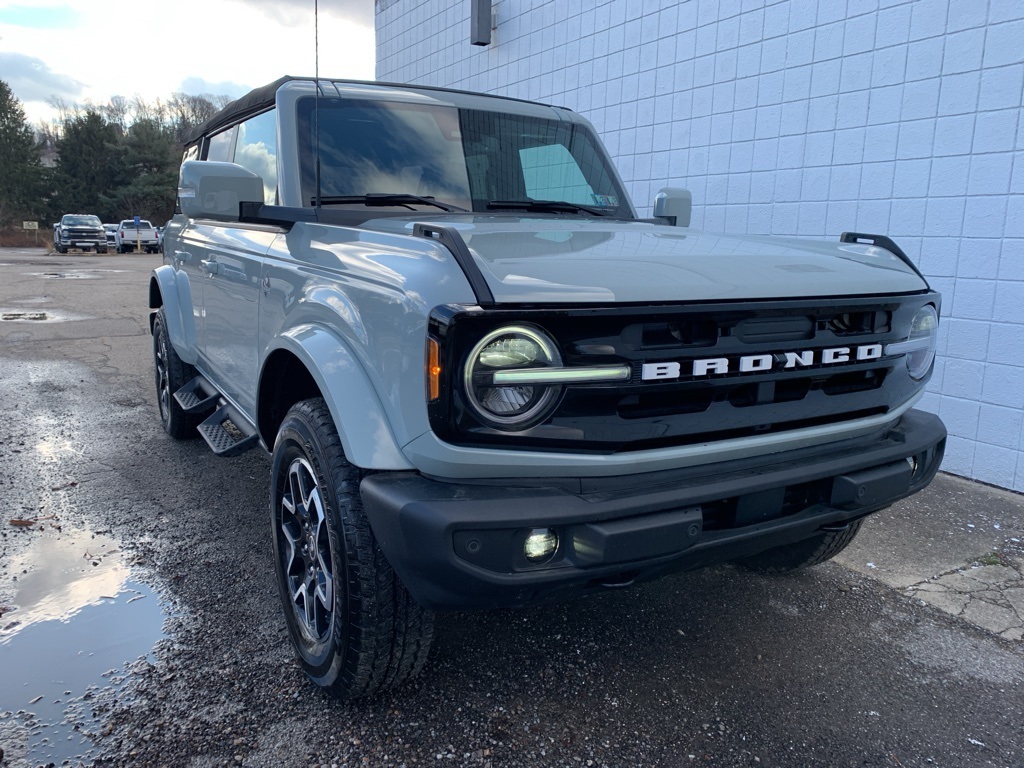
(483, 381)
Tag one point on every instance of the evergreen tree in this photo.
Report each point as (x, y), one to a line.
(89, 164)
(21, 169)
(149, 173)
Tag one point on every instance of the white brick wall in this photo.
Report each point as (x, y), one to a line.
(799, 117)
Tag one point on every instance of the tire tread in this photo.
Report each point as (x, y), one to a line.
(803, 554)
(389, 633)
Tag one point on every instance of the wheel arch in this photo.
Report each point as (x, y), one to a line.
(310, 361)
(171, 290)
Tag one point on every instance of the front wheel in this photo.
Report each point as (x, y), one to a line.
(355, 628)
(818, 549)
(172, 373)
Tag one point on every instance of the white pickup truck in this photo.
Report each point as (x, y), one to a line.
(129, 237)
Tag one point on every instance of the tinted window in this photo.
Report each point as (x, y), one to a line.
(460, 156)
(256, 149)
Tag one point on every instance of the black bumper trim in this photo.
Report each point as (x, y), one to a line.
(454, 545)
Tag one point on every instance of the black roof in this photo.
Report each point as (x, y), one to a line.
(262, 98)
(254, 101)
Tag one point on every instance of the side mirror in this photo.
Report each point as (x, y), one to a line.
(674, 205)
(212, 190)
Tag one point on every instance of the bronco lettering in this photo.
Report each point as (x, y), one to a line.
(764, 362)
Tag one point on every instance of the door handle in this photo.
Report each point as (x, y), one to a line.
(211, 266)
(180, 257)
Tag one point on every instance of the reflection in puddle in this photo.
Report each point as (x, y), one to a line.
(78, 274)
(78, 617)
(10, 315)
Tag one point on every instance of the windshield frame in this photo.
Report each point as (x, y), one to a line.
(576, 136)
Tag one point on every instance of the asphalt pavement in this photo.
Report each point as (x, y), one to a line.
(139, 622)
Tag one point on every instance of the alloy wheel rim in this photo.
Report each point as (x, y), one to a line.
(306, 551)
(163, 386)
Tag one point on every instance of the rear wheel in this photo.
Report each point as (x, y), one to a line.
(354, 626)
(803, 554)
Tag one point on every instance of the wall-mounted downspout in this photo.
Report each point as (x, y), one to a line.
(480, 22)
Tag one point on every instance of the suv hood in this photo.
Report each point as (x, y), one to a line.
(528, 259)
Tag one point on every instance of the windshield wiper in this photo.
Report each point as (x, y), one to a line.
(381, 199)
(546, 206)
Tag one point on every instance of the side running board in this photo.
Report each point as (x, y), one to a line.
(226, 430)
(197, 396)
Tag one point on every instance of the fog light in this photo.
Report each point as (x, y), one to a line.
(541, 544)
(912, 461)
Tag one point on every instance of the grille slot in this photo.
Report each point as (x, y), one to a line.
(774, 330)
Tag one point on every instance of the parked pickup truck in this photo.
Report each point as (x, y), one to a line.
(79, 230)
(482, 380)
(142, 237)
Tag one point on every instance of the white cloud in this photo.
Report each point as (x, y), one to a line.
(153, 49)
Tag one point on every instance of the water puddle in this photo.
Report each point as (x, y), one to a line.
(78, 616)
(37, 316)
(77, 274)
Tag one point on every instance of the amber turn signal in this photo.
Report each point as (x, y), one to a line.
(433, 369)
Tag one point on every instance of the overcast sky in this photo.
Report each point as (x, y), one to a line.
(91, 50)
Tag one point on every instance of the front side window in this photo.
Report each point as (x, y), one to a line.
(256, 149)
(469, 158)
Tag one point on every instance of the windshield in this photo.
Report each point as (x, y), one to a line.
(467, 158)
(81, 221)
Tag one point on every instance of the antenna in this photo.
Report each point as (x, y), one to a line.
(316, 106)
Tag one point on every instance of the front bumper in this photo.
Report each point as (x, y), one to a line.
(460, 545)
(85, 241)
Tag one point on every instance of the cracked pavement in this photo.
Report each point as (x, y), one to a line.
(991, 596)
(957, 546)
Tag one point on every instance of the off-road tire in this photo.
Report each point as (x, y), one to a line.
(171, 373)
(369, 636)
(803, 554)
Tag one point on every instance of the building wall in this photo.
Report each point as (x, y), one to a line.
(799, 117)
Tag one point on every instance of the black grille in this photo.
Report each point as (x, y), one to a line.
(646, 413)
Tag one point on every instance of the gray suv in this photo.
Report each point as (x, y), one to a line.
(482, 380)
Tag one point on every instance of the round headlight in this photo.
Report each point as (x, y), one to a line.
(514, 406)
(922, 342)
